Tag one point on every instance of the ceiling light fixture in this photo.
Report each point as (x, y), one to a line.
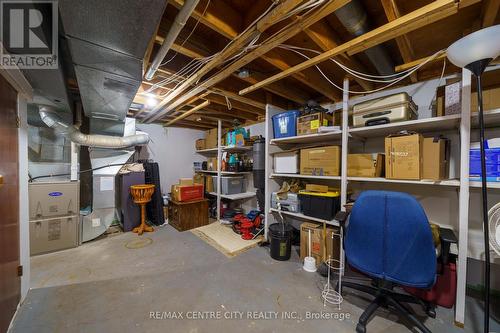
(151, 101)
(475, 52)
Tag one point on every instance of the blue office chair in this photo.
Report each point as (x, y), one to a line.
(388, 238)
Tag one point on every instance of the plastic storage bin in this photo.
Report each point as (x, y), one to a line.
(230, 185)
(290, 204)
(320, 205)
(285, 124)
(287, 162)
(492, 165)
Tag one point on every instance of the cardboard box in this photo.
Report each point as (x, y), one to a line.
(316, 188)
(309, 124)
(320, 161)
(491, 99)
(322, 248)
(365, 165)
(211, 138)
(435, 160)
(200, 144)
(403, 156)
(186, 181)
(205, 180)
(187, 192)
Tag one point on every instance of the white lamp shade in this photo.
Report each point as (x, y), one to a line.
(482, 44)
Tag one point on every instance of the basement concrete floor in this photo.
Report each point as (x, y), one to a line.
(110, 286)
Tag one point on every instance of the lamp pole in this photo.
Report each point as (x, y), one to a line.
(477, 68)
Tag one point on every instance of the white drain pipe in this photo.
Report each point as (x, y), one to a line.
(91, 140)
(179, 22)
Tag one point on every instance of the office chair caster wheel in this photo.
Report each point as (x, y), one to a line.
(430, 310)
(360, 328)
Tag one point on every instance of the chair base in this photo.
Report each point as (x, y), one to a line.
(387, 298)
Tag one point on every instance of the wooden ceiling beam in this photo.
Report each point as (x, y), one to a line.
(405, 49)
(214, 108)
(310, 79)
(300, 24)
(282, 89)
(219, 16)
(416, 62)
(221, 100)
(326, 39)
(419, 18)
(187, 113)
(489, 12)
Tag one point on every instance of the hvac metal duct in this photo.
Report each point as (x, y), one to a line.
(91, 140)
(179, 22)
(107, 41)
(354, 18)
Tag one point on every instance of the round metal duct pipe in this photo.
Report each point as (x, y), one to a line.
(92, 140)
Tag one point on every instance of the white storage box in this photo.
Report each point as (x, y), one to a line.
(287, 162)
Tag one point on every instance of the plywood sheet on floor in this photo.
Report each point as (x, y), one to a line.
(224, 239)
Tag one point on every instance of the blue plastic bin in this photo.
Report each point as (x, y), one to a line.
(492, 164)
(285, 124)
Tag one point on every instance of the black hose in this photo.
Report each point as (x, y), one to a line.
(80, 172)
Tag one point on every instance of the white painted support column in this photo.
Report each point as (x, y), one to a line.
(464, 199)
(345, 137)
(343, 166)
(75, 165)
(219, 159)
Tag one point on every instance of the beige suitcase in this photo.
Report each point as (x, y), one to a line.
(384, 110)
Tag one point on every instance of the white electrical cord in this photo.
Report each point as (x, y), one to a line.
(406, 73)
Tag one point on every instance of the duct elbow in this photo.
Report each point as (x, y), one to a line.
(90, 140)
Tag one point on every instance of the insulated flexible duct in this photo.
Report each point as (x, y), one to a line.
(90, 140)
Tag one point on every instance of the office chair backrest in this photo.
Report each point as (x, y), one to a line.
(389, 237)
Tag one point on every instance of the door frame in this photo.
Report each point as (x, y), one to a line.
(24, 95)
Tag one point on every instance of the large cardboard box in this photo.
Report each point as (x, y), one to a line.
(211, 138)
(310, 124)
(365, 165)
(435, 160)
(320, 161)
(187, 192)
(205, 180)
(491, 99)
(322, 248)
(403, 156)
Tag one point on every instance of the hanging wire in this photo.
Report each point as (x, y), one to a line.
(190, 34)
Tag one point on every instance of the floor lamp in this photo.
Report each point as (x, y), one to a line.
(475, 52)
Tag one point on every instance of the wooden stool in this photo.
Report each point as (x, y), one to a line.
(142, 195)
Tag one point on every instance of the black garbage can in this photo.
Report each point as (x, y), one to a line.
(280, 235)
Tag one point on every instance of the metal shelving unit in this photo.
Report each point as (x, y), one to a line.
(218, 151)
(459, 123)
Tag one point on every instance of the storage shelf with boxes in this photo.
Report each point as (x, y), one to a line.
(228, 163)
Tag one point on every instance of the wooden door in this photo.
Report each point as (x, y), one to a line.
(10, 282)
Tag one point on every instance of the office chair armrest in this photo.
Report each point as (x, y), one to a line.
(341, 217)
(447, 237)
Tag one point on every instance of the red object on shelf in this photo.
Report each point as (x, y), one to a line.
(444, 290)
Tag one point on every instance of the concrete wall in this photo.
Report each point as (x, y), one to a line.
(173, 148)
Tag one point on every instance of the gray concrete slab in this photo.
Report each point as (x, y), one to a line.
(103, 286)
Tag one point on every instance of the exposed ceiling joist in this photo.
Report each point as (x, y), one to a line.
(187, 113)
(221, 100)
(310, 80)
(219, 16)
(416, 62)
(392, 12)
(489, 12)
(421, 17)
(265, 47)
(323, 36)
